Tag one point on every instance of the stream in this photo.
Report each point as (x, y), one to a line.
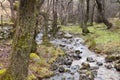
(79, 63)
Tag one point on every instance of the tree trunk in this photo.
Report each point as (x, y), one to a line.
(45, 34)
(84, 17)
(54, 25)
(102, 16)
(92, 13)
(38, 8)
(23, 38)
(12, 10)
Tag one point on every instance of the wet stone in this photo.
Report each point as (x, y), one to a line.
(68, 36)
(74, 68)
(117, 66)
(61, 69)
(70, 78)
(111, 58)
(94, 72)
(62, 45)
(99, 63)
(76, 56)
(60, 60)
(78, 52)
(108, 66)
(54, 67)
(60, 33)
(71, 48)
(94, 67)
(90, 59)
(68, 61)
(85, 65)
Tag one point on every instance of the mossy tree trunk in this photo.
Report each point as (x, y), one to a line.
(37, 11)
(85, 13)
(100, 8)
(45, 34)
(55, 17)
(18, 69)
(12, 9)
(92, 12)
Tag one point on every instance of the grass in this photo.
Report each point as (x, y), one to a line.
(6, 23)
(98, 32)
(98, 35)
(72, 29)
(101, 35)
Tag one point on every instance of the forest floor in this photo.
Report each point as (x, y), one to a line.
(39, 62)
(99, 39)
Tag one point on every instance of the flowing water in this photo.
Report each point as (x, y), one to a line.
(76, 44)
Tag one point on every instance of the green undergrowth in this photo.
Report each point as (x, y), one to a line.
(2, 71)
(100, 39)
(41, 61)
(6, 23)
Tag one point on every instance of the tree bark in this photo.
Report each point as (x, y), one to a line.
(12, 10)
(45, 34)
(54, 25)
(38, 8)
(84, 17)
(92, 13)
(102, 16)
(23, 38)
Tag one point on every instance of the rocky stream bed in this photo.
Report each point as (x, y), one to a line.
(79, 63)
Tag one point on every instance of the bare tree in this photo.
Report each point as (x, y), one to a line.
(12, 10)
(55, 17)
(100, 8)
(84, 16)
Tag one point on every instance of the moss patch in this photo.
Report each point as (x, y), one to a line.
(40, 62)
(7, 23)
(100, 39)
(2, 71)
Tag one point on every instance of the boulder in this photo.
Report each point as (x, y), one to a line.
(111, 58)
(85, 65)
(54, 67)
(62, 45)
(68, 61)
(68, 36)
(117, 66)
(99, 63)
(108, 66)
(61, 69)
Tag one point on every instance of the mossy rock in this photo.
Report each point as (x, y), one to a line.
(49, 53)
(16, 5)
(44, 73)
(117, 66)
(41, 61)
(85, 66)
(111, 58)
(2, 71)
(34, 57)
(9, 23)
(31, 77)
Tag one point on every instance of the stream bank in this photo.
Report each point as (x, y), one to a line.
(79, 63)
